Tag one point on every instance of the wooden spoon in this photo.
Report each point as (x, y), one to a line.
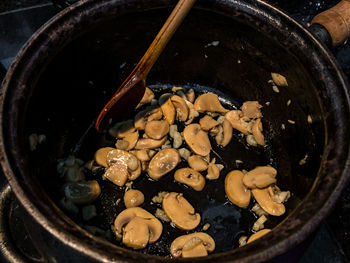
(129, 94)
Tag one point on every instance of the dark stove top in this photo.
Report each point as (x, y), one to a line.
(20, 18)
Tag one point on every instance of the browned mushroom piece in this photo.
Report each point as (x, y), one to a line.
(163, 162)
(251, 109)
(279, 79)
(190, 95)
(146, 143)
(169, 111)
(133, 198)
(148, 96)
(157, 129)
(155, 115)
(227, 133)
(121, 129)
(83, 192)
(197, 244)
(100, 155)
(117, 173)
(235, 190)
(237, 122)
(197, 139)
(258, 234)
(143, 116)
(144, 228)
(265, 200)
(190, 177)
(257, 132)
(180, 211)
(213, 171)
(207, 123)
(181, 108)
(209, 102)
(197, 163)
(260, 177)
(131, 138)
(142, 155)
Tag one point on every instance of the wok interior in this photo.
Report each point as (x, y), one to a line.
(85, 73)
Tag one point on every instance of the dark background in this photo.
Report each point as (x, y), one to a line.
(20, 18)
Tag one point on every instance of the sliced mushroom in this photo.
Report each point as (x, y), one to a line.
(141, 117)
(117, 173)
(169, 111)
(148, 96)
(260, 177)
(142, 155)
(197, 163)
(163, 162)
(207, 123)
(123, 159)
(227, 131)
(121, 129)
(82, 192)
(192, 245)
(237, 122)
(182, 110)
(131, 138)
(146, 143)
(213, 172)
(180, 211)
(264, 198)
(100, 155)
(156, 129)
(197, 139)
(190, 95)
(190, 177)
(133, 198)
(155, 115)
(279, 80)
(209, 102)
(257, 132)
(235, 190)
(135, 235)
(192, 113)
(258, 235)
(251, 109)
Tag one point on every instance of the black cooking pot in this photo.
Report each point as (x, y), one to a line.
(70, 67)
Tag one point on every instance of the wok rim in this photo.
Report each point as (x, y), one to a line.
(264, 249)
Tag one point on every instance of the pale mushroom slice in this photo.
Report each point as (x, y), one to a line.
(235, 190)
(126, 160)
(148, 96)
(197, 163)
(146, 143)
(117, 173)
(136, 233)
(279, 79)
(227, 133)
(157, 129)
(258, 234)
(257, 132)
(190, 177)
(260, 177)
(100, 156)
(265, 200)
(180, 211)
(163, 162)
(213, 171)
(121, 129)
(197, 139)
(154, 226)
(181, 108)
(209, 102)
(192, 245)
(207, 123)
(169, 111)
(237, 122)
(133, 198)
(251, 109)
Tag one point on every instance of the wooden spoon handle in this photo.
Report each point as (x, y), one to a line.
(164, 35)
(337, 22)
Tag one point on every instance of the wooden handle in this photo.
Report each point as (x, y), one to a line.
(337, 22)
